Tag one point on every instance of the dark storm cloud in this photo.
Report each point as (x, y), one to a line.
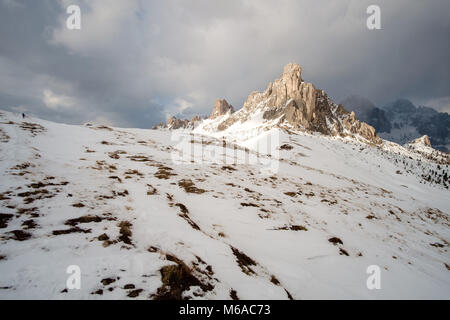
(136, 61)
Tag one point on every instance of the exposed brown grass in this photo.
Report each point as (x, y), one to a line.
(244, 261)
(176, 279)
(125, 232)
(335, 240)
(20, 235)
(4, 218)
(164, 173)
(293, 228)
(70, 230)
(189, 186)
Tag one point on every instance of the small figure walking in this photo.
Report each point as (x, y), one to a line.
(23, 115)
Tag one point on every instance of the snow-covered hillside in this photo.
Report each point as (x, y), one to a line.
(142, 223)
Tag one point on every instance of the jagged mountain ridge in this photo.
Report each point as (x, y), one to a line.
(292, 104)
(401, 121)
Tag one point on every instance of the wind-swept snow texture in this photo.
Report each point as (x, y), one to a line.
(141, 226)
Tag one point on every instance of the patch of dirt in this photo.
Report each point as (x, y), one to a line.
(244, 204)
(87, 219)
(176, 279)
(33, 212)
(335, 240)
(151, 190)
(228, 168)
(140, 158)
(274, 280)
(99, 292)
(107, 281)
(31, 196)
(189, 186)
(115, 178)
(3, 136)
(103, 237)
(134, 172)
(22, 166)
(286, 147)
(103, 127)
(78, 205)
(289, 295)
(20, 235)
(233, 295)
(244, 261)
(293, 228)
(125, 232)
(34, 128)
(113, 155)
(330, 202)
(134, 293)
(3, 196)
(4, 218)
(185, 215)
(123, 193)
(71, 230)
(164, 173)
(29, 224)
(38, 185)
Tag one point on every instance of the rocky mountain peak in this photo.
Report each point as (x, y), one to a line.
(221, 108)
(424, 140)
(175, 123)
(295, 104)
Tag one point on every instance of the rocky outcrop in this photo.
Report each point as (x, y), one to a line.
(424, 140)
(174, 123)
(365, 110)
(221, 108)
(423, 147)
(296, 104)
(410, 122)
(401, 121)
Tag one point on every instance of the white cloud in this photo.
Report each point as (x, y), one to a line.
(56, 102)
(178, 106)
(103, 22)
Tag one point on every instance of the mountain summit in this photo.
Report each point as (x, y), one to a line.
(293, 104)
(221, 108)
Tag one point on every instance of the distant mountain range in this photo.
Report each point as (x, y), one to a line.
(401, 121)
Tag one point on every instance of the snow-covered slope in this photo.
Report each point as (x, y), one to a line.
(141, 222)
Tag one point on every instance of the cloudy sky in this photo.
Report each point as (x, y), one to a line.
(134, 62)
